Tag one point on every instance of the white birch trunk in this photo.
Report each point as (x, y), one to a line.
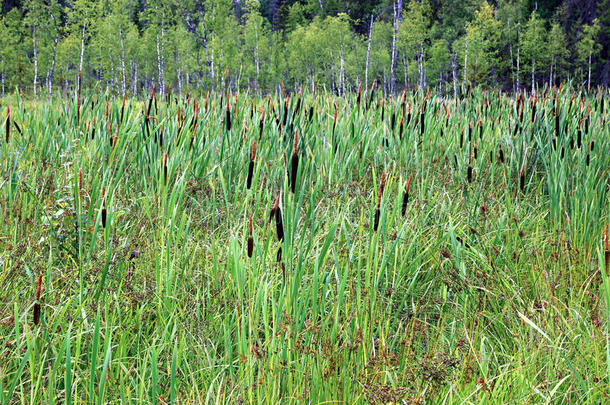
(368, 54)
(35, 62)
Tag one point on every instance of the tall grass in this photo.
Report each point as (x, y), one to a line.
(305, 248)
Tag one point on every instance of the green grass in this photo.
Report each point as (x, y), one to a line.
(485, 291)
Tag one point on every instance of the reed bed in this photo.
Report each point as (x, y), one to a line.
(418, 249)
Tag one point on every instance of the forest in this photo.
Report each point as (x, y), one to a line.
(124, 46)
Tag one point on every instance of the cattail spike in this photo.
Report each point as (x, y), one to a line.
(405, 200)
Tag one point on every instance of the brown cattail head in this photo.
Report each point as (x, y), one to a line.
(8, 123)
(122, 110)
(250, 174)
(606, 240)
(405, 199)
(165, 167)
(376, 219)
(250, 239)
(294, 164)
(36, 311)
(104, 207)
(279, 225)
(334, 120)
(228, 116)
(39, 287)
(80, 179)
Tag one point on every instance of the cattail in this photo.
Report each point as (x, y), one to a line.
(297, 109)
(359, 95)
(37, 303)
(250, 239)
(475, 151)
(378, 209)
(334, 120)
(164, 168)
(393, 118)
(150, 101)
(294, 164)
(285, 112)
(103, 207)
(405, 199)
(578, 138)
(279, 225)
(462, 138)
(557, 121)
(501, 153)
(469, 169)
(261, 124)
(310, 112)
(122, 110)
(80, 179)
(251, 167)
(228, 117)
(534, 109)
(8, 123)
(372, 93)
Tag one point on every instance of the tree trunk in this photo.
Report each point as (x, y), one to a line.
(135, 78)
(393, 61)
(159, 64)
(589, 76)
(123, 87)
(518, 68)
(52, 70)
(35, 62)
(533, 84)
(512, 67)
(454, 73)
(551, 74)
(162, 76)
(342, 72)
(422, 60)
(368, 54)
(82, 57)
(466, 61)
(405, 66)
(179, 77)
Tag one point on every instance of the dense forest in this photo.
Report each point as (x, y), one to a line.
(200, 45)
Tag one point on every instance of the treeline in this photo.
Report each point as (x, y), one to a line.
(200, 45)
